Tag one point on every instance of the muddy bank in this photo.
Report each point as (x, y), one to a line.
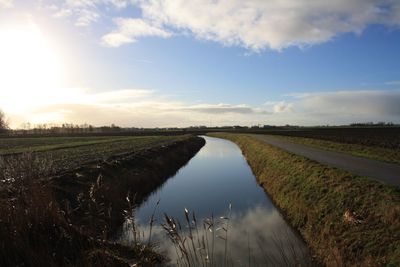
(94, 196)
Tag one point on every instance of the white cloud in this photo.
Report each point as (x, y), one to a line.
(6, 3)
(274, 24)
(279, 106)
(121, 96)
(118, 3)
(223, 109)
(93, 3)
(351, 103)
(85, 12)
(341, 107)
(81, 3)
(63, 13)
(130, 107)
(86, 17)
(128, 30)
(253, 24)
(147, 108)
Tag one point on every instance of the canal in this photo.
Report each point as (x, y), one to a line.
(235, 223)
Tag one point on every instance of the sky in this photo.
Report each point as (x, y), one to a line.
(178, 63)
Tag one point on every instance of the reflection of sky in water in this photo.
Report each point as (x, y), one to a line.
(258, 233)
(216, 176)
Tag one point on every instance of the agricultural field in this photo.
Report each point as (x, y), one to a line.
(385, 137)
(378, 143)
(71, 152)
(372, 152)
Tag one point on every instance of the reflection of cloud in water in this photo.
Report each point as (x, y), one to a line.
(260, 235)
(222, 149)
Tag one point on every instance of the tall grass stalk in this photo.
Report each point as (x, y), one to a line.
(152, 221)
(194, 244)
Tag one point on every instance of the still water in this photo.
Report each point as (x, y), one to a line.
(217, 182)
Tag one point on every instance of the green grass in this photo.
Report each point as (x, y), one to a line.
(18, 145)
(71, 152)
(315, 199)
(371, 152)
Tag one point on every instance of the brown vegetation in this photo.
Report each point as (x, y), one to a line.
(65, 221)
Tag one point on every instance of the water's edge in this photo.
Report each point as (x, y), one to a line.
(220, 164)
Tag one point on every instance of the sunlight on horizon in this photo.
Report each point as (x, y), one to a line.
(31, 67)
(139, 63)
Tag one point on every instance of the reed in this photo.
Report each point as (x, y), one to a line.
(195, 244)
(36, 231)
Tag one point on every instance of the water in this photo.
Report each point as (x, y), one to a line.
(217, 177)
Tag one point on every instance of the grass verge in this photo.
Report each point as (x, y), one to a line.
(371, 152)
(346, 220)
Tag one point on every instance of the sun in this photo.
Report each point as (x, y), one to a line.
(30, 68)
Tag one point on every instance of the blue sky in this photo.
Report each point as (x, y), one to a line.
(181, 63)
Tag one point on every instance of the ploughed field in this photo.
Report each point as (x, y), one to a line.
(385, 137)
(381, 144)
(72, 152)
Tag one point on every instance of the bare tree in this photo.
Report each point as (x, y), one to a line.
(3, 122)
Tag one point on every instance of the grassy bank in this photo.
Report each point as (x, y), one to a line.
(372, 152)
(346, 220)
(53, 218)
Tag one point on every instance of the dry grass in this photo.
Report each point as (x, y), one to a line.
(316, 198)
(35, 231)
(198, 243)
(49, 218)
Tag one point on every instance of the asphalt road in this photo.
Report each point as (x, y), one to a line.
(381, 171)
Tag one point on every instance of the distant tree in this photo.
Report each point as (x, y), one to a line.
(3, 122)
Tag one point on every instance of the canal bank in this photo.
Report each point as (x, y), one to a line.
(346, 220)
(221, 195)
(66, 219)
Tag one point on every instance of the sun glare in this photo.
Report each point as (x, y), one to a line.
(30, 68)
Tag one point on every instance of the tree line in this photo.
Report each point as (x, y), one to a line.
(3, 122)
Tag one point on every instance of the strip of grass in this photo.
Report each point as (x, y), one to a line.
(21, 145)
(32, 142)
(347, 220)
(372, 152)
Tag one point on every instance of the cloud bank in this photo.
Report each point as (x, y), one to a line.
(147, 108)
(259, 24)
(335, 108)
(253, 24)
